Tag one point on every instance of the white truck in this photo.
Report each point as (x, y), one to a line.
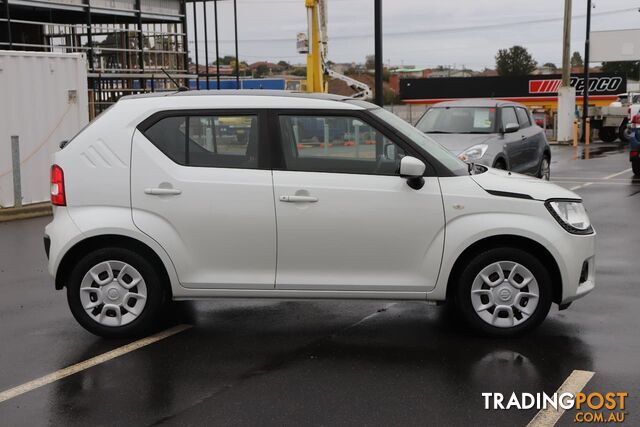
(611, 122)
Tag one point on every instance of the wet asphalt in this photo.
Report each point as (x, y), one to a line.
(328, 362)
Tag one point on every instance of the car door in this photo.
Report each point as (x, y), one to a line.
(514, 142)
(346, 220)
(200, 188)
(530, 133)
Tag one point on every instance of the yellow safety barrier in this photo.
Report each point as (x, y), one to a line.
(587, 135)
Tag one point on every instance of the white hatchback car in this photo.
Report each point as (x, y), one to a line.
(265, 194)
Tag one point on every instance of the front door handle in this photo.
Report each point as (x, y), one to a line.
(162, 191)
(298, 199)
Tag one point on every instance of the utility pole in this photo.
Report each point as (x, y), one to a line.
(566, 44)
(566, 94)
(379, 97)
(215, 19)
(195, 43)
(235, 29)
(206, 42)
(585, 93)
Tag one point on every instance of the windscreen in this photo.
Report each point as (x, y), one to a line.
(458, 120)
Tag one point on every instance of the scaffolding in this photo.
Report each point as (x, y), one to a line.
(128, 43)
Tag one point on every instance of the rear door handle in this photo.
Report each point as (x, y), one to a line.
(162, 191)
(298, 199)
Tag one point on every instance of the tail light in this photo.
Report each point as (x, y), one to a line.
(58, 197)
(636, 119)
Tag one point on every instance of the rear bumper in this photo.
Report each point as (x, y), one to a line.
(47, 245)
(58, 237)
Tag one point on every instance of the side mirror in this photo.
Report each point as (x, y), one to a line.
(511, 127)
(412, 169)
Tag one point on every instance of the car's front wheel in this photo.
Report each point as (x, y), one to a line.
(114, 292)
(504, 291)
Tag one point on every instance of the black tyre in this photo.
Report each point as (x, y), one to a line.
(115, 293)
(624, 133)
(607, 134)
(504, 291)
(635, 166)
(544, 172)
(500, 164)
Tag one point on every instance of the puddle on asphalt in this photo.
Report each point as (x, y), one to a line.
(594, 152)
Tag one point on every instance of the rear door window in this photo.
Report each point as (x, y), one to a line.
(224, 141)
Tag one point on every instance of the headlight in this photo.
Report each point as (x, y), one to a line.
(473, 153)
(571, 215)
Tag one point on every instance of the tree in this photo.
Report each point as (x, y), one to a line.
(261, 70)
(631, 69)
(576, 59)
(550, 65)
(299, 71)
(227, 60)
(284, 65)
(515, 61)
(370, 62)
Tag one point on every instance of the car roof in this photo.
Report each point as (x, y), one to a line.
(257, 98)
(477, 102)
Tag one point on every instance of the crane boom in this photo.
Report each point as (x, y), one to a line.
(317, 53)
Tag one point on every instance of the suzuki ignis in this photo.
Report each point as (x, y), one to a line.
(194, 195)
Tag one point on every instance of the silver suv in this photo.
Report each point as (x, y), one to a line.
(494, 133)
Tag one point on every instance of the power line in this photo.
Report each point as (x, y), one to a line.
(439, 30)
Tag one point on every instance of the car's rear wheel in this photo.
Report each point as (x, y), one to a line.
(114, 292)
(504, 291)
(635, 166)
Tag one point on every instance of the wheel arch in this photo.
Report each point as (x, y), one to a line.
(109, 240)
(508, 240)
(501, 158)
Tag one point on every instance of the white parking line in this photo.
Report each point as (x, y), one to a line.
(573, 384)
(617, 174)
(586, 184)
(81, 366)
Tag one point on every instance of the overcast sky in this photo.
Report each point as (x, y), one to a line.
(425, 33)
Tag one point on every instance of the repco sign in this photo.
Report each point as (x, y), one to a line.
(517, 88)
(598, 84)
(602, 84)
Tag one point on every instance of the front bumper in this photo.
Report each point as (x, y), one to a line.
(577, 266)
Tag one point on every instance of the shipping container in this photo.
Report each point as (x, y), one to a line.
(43, 100)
